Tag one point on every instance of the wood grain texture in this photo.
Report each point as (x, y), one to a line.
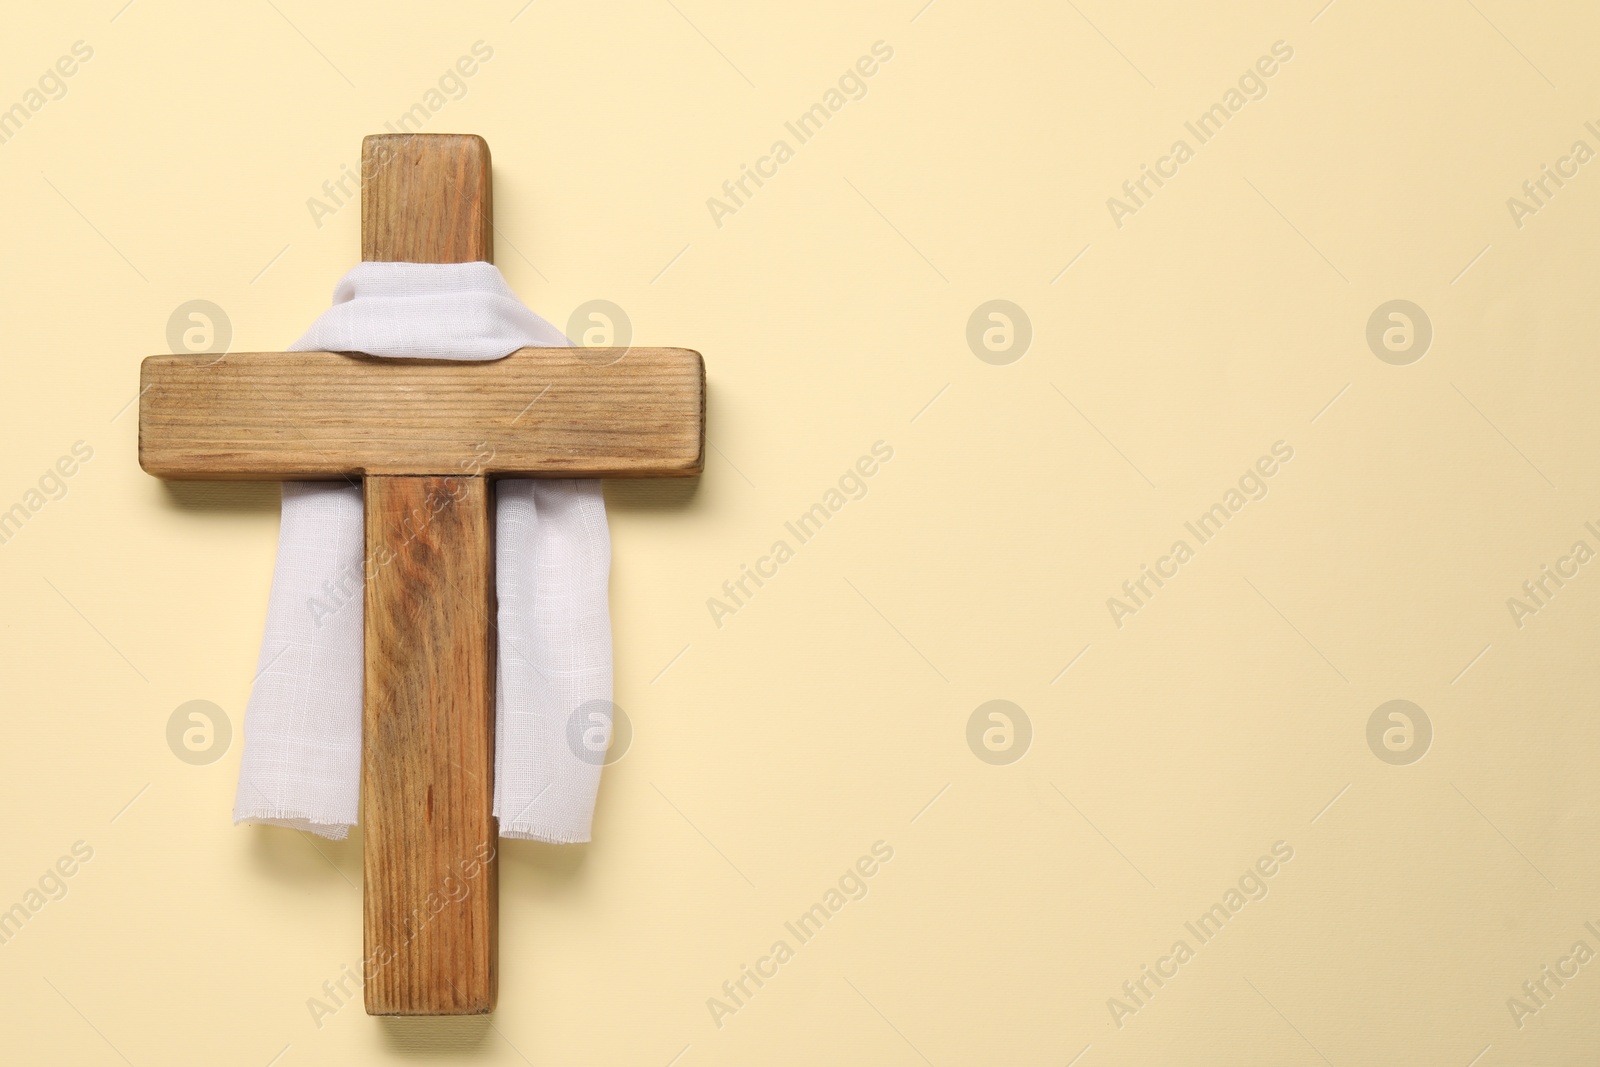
(431, 885)
(539, 412)
(427, 748)
(426, 198)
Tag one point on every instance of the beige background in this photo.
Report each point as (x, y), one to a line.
(831, 712)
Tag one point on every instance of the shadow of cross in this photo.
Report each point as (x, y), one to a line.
(427, 437)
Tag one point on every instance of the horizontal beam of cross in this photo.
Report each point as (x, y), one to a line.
(540, 412)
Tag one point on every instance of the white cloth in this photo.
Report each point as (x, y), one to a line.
(302, 733)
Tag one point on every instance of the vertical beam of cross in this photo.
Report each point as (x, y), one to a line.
(427, 792)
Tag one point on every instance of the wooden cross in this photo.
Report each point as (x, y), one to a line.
(426, 437)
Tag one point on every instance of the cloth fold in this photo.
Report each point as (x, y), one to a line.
(301, 765)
